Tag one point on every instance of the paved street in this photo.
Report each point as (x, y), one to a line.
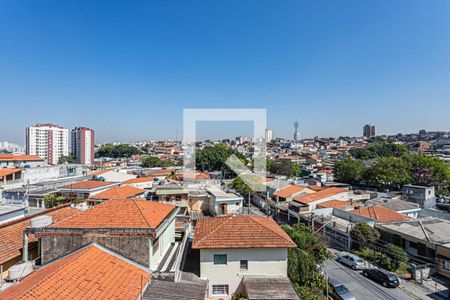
(360, 286)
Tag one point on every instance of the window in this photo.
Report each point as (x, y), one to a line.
(220, 259)
(220, 289)
(244, 264)
(447, 265)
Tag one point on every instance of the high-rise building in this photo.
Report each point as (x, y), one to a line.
(369, 131)
(268, 136)
(296, 133)
(48, 141)
(83, 145)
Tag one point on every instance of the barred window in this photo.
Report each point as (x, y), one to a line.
(220, 289)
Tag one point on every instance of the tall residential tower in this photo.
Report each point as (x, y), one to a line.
(83, 140)
(48, 141)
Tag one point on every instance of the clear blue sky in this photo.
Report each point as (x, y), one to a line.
(128, 69)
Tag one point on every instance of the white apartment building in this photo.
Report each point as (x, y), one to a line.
(268, 135)
(48, 141)
(83, 140)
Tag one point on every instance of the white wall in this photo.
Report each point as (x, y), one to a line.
(262, 262)
(166, 237)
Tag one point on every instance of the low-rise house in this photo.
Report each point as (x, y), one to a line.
(117, 192)
(380, 214)
(21, 161)
(145, 183)
(235, 248)
(401, 206)
(222, 203)
(92, 272)
(422, 195)
(10, 175)
(85, 189)
(12, 233)
(307, 203)
(140, 230)
(443, 256)
(419, 237)
(112, 175)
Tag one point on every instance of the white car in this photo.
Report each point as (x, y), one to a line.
(352, 261)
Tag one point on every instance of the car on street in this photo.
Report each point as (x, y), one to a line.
(386, 278)
(338, 291)
(352, 261)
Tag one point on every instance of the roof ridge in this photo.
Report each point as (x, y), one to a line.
(142, 214)
(252, 217)
(207, 235)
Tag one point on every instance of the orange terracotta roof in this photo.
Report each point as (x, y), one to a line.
(11, 233)
(288, 190)
(325, 193)
(160, 172)
(119, 192)
(380, 213)
(87, 185)
(240, 231)
(9, 171)
(139, 180)
(90, 273)
(334, 203)
(123, 213)
(315, 188)
(19, 157)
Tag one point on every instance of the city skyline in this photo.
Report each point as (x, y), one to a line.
(121, 69)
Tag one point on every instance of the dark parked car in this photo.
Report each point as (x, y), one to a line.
(384, 277)
(338, 291)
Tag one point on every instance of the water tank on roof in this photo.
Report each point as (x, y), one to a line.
(20, 270)
(41, 221)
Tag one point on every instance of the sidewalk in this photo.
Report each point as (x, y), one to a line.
(433, 288)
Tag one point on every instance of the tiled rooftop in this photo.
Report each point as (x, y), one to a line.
(288, 190)
(139, 180)
(325, 193)
(87, 185)
(119, 192)
(91, 273)
(381, 214)
(9, 171)
(11, 233)
(123, 213)
(240, 231)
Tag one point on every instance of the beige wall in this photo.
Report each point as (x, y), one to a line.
(261, 262)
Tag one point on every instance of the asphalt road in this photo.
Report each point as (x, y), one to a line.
(360, 286)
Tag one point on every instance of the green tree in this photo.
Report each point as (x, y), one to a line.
(52, 200)
(303, 261)
(349, 170)
(363, 235)
(398, 255)
(212, 158)
(388, 172)
(429, 170)
(379, 149)
(151, 162)
(284, 167)
(116, 151)
(66, 159)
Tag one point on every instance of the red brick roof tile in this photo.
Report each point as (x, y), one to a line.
(86, 185)
(334, 203)
(288, 190)
(325, 193)
(9, 171)
(90, 273)
(381, 214)
(139, 180)
(119, 192)
(240, 231)
(123, 213)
